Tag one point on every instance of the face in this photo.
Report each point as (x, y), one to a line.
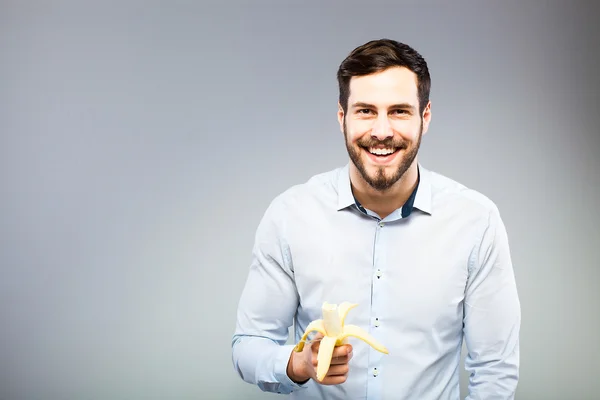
(383, 125)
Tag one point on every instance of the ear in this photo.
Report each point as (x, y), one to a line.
(426, 117)
(340, 115)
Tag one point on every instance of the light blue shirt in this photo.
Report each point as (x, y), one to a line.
(423, 284)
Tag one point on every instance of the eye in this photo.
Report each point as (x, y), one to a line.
(364, 111)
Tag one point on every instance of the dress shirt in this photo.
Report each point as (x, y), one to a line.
(426, 277)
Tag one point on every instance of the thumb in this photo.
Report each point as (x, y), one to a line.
(316, 341)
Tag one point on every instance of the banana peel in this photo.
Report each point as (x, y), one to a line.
(335, 332)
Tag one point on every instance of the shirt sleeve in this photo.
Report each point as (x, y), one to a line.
(492, 317)
(266, 309)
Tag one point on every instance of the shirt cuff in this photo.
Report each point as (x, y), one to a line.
(282, 357)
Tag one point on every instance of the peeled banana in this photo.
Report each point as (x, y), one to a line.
(334, 334)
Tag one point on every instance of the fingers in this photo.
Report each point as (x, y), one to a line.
(316, 342)
(338, 370)
(341, 355)
(336, 375)
(316, 339)
(338, 352)
(342, 351)
(333, 380)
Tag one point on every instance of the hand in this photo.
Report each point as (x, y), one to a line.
(302, 366)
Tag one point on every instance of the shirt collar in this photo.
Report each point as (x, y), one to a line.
(422, 197)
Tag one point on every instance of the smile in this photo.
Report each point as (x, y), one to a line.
(381, 152)
(381, 156)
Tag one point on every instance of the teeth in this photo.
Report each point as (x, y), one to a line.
(381, 152)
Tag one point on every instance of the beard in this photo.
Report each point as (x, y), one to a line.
(379, 180)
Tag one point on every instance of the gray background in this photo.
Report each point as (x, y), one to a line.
(142, 141)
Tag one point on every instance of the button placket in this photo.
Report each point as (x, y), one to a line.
(379, 264)
(378, 272)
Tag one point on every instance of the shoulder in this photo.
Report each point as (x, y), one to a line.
(468, 209)
(453, 196)
(320, 189)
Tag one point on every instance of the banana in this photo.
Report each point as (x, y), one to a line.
(335, 333)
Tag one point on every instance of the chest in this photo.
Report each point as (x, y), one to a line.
(409, 270)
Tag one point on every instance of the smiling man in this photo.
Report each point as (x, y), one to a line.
(425, 258)
(382, 127)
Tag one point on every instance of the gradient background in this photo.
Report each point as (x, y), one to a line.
(141, 142)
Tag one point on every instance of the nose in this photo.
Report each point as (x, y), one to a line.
(382, 128)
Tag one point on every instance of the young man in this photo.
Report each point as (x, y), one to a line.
(426, 259)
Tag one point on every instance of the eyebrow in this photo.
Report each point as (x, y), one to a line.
(401, 106)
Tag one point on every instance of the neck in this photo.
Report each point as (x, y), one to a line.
(384, 202)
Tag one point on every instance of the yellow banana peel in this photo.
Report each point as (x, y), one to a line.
(335, 332)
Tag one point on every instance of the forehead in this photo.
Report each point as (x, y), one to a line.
(393, 85)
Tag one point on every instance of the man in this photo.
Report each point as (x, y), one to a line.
(425, 258)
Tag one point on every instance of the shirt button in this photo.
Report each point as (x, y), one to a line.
(377, 323)
(381, 224)
(378, 274)
(375, 372)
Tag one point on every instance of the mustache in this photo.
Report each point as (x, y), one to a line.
(387, 142)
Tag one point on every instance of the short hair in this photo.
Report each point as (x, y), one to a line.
(377, 56)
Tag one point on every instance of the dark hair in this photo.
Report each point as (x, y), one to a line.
(377, 56)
